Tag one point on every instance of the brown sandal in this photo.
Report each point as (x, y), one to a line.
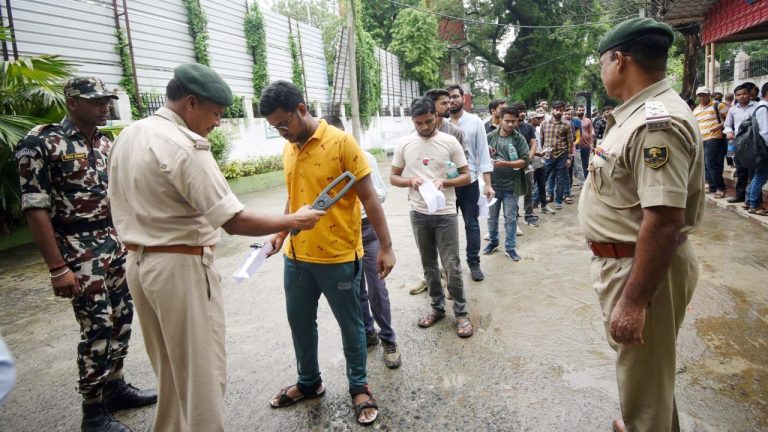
(282, 400)
(719, 194)
(464, 327)
(370, 403)
(432, 317)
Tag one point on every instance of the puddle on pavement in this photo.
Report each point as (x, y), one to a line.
(738, 362)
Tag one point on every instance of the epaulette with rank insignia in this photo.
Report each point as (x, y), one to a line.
(656, 116)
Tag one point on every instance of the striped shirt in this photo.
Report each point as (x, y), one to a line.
(708, 119)
(558, 136)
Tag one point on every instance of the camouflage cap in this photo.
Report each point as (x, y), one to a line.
(87, 87)
(633, 28)
(203, 81)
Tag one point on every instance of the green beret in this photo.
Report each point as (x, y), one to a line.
(204, 82)
(632, 29)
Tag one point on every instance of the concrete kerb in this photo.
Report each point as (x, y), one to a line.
(738, 209)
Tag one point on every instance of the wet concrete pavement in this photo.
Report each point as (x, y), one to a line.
(538, 361)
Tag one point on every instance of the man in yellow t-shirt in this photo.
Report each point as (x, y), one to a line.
(327, 259)
(710, 115)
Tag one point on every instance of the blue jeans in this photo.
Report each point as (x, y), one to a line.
(557, 167)
(466, 201)
(714, 159)
(755, 189)
(303, 284)
(438, 235)
(585, 152)
(374, 298)
(510, 202)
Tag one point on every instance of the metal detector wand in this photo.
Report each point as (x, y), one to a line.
(324, 201)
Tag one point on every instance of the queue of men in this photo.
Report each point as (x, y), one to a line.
(144, 236)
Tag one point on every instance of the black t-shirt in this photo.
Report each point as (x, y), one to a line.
(489, 127)
(528, 131)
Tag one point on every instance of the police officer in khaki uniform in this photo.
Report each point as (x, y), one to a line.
(168, 201)
(643, 196)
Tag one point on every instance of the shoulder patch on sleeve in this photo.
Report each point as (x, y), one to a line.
(655, 156)
(31, 146)
(656, 116)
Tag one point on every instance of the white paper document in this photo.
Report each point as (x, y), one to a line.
(434, 198)
(485, 205)
(252, 263)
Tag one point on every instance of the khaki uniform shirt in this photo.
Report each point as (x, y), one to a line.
(165, 187)
(647, 158)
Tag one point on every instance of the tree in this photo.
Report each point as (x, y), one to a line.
(378, 16)
(30, 94)
(416, 42)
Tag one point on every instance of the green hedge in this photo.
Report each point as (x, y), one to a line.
(251, 167)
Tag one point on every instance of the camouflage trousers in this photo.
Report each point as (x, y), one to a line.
(104, 310)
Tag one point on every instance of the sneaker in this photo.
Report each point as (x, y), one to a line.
(491, 248)
(547, 210)
(391, 355)
(419, 288)
(477, 274)
(511, 254)
(532, 220)
(558, 206)
(519, 231)
(372, 339)
(487, 237)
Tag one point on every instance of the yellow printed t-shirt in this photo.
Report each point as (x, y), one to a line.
(308, 170)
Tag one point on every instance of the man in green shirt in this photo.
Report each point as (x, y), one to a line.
(509, 151)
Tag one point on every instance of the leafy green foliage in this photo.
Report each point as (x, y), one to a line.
(198, 29)
(368, 72)
(236, 110)
(126, 77)
(30, 94)
(112, 131)
(377, 17)
(297, 76)
(251, 167)
(220, 145)
(416, 42)
(256, 42)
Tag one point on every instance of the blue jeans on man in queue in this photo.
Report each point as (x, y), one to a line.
(714, 160)
(303, 284)
(374, 297)
(755, 188)
(557, 167)
(510, 201)
(466, 201)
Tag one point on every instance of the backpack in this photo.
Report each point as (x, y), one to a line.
(751, 149)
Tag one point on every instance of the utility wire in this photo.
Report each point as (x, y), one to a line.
(467, 20)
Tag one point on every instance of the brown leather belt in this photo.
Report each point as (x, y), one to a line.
(178, 249)
(612, 250)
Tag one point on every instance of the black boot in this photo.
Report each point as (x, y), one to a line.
(118, 395)
(97, 419)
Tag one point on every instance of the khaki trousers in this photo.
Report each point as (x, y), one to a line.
(179, 303)
(646, 373)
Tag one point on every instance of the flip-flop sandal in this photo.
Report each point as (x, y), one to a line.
(283, 400)
(762, 212)
(569, 200)
(461, 327)
(370, 403)
(719, 195)
(432, 317)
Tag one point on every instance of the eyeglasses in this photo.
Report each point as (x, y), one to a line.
(282, 126)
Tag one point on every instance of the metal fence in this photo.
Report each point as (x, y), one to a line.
(151, 102)
(757, 67)
(726, 71)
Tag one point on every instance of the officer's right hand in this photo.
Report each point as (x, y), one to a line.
(66, 285)
(306, 218)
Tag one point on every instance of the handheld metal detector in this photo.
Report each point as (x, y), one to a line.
(324, 201)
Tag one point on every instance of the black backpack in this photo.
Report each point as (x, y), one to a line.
(751, 149)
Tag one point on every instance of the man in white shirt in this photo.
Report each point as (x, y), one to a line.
(741, 110)
(479, 164)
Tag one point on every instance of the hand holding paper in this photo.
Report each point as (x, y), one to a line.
(252, 263)
(434, 198)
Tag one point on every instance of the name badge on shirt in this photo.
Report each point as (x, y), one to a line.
(73, 156)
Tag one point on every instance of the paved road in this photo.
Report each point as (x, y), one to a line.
(538, 361)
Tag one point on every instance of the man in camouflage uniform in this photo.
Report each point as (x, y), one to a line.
(63, 175)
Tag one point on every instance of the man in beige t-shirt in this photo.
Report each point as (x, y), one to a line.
(428, 155)
(168, 201)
